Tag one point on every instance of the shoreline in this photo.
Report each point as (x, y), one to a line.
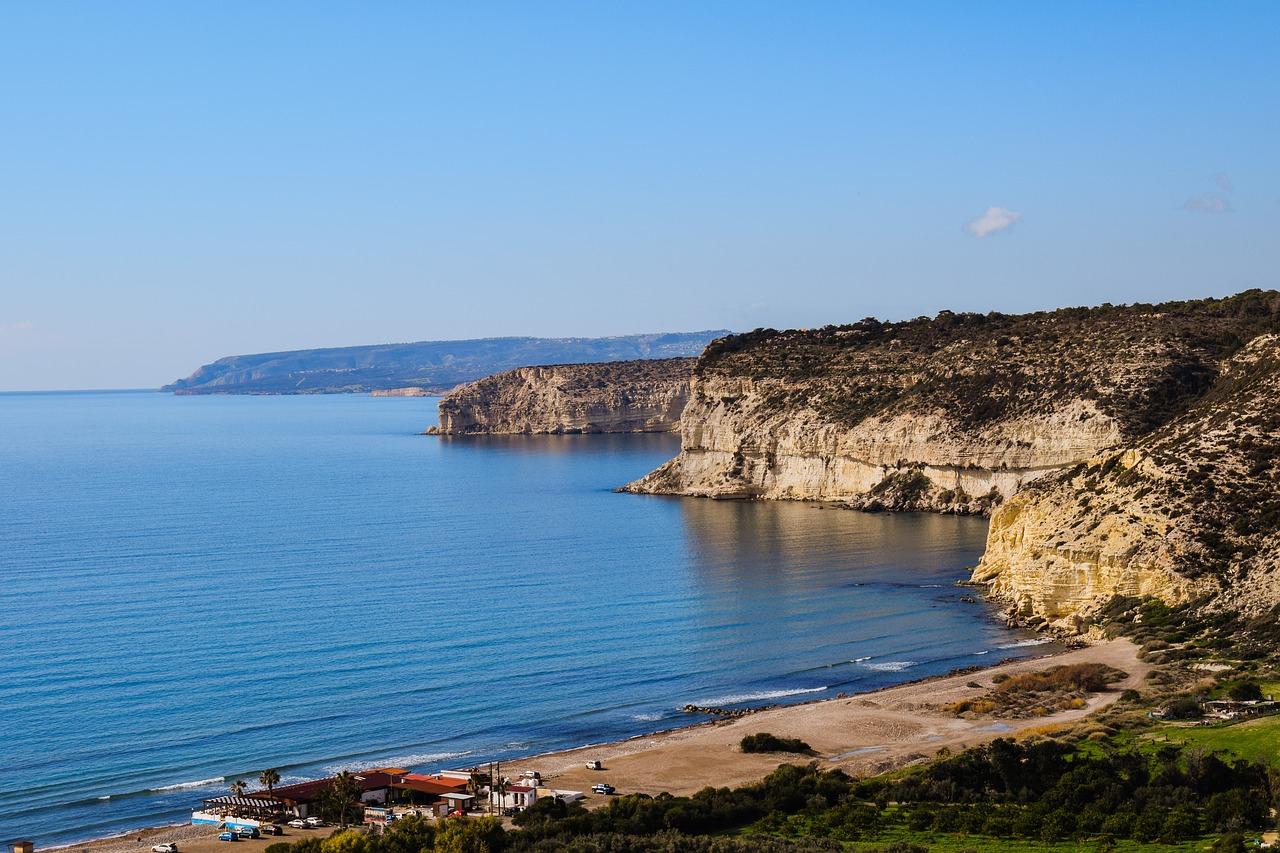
(868, 732)
(633, 764)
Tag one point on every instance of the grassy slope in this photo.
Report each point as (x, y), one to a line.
(1258, 739)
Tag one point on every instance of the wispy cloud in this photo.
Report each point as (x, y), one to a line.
(20, 326)
(994, 220)
(1208, 203)
(1213, 202)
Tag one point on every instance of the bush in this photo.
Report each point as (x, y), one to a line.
(1184, 708)
(766, 742)
(1245, 691)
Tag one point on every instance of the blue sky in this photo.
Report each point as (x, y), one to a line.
(183, 181)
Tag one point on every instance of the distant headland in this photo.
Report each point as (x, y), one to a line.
(432, 366)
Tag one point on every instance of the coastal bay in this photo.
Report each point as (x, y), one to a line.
(233, 583)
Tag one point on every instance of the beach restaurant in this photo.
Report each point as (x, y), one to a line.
(383, 786)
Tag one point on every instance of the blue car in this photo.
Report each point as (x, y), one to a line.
(228, 836)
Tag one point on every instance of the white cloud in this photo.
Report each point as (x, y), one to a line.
(1223, 180)
(1207, 203)
(20, 326)
(994, 220)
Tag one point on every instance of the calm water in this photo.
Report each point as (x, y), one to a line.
(195, 588)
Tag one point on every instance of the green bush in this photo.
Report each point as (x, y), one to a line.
(766, 742)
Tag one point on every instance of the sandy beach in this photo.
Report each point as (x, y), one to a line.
(863, 734)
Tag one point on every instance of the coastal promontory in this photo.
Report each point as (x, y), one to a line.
(1131, 447)
(646, 395)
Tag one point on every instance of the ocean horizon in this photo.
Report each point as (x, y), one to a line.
(203, 587)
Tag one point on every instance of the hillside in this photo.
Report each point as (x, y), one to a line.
(435, 366)
(621, 396)
(1191, 509)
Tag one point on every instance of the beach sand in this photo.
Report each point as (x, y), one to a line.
(863, 734)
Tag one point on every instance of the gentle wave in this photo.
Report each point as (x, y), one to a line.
(647, 718)
(182, 786)
(756, 697)
(409, 761)
(861, 660)
(890, 665)
(1022, 644)
(983, 652)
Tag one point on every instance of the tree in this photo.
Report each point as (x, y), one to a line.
(269, 778)
(237, 788)
(346, 841)
(1245, 691)
(342, 795)
(469, 835)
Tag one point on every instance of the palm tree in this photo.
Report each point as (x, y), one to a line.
(237, 788)
(269, 778)
(341, 795)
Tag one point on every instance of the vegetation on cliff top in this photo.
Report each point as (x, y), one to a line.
(1142, 364)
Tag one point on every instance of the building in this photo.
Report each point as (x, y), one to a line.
(381, 787)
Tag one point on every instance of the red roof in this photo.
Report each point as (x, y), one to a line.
(431, 784)
(306, 792)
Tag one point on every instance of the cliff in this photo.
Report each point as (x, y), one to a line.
(620, 396)
(1190, 510)
(953, 413)
(964, 412)
(432, 366)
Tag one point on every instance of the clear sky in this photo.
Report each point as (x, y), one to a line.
(182, 181)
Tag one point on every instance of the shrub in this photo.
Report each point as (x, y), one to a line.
(1245, 691)
(766, 742)
(1183, 708)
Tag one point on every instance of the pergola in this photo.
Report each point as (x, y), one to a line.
(245, 806)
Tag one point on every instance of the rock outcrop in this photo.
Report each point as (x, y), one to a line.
(1192, 509)
(620, 396)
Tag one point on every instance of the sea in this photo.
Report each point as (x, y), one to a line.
(197, 588)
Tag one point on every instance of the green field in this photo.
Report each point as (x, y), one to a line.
(1258, 739)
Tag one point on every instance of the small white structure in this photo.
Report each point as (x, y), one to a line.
(518, 797)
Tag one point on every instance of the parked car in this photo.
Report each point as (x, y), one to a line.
(248, 832)
(603, 788)
(228, 836)
(164, 848)
(271, 829)
(298, 823)
(594, 765)
(314, 822)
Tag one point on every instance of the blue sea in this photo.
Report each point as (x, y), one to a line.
(197, 588)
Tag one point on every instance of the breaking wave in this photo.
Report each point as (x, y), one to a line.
(756, 697)
(409, 761)
(890, 665)
(1020, 644)
(182, 786)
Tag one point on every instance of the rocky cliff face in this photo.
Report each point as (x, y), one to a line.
(621, 396)
(1191, 509)
(961, 413)
(954, 413)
